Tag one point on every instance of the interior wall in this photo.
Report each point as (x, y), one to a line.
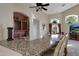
(73, 11)
(57, 16)
(1, 32)
(61, 16)
(43, 18)
(6, 18)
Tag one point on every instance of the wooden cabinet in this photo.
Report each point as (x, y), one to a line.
(74, 36)
(21, 25)
(77, 36)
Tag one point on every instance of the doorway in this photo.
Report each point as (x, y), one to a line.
(36, 29)
(55, 26)
(21, 25)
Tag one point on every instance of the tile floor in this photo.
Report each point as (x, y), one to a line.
(73, 48)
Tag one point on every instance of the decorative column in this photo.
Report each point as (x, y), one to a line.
(9, 34)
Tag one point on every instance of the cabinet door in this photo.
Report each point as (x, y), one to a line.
(72, 36)
(77, 36)
(24, 25)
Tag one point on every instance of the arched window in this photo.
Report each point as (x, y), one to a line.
(71, 19)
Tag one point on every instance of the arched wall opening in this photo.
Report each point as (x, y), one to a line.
(21, 25)
(55, 26)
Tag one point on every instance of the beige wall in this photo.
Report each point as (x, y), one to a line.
(58, 16)
(6, 18)
(73, 11)
(61, 16)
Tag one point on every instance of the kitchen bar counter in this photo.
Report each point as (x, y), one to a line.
(34, 47)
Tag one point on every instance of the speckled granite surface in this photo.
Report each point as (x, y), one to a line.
(30, 48)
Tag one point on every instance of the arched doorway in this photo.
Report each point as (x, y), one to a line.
(21, 25)
(55, 26)
(72, 25)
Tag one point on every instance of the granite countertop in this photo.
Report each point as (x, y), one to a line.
(30, 48)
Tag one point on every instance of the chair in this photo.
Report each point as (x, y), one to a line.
(61, 48)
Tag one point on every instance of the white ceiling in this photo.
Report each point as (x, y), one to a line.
(57, 7)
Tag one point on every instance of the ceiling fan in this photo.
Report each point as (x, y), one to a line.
(40, 6)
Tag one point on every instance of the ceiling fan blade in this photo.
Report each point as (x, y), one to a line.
(33, 7)
(46, 4)
(44, 8)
